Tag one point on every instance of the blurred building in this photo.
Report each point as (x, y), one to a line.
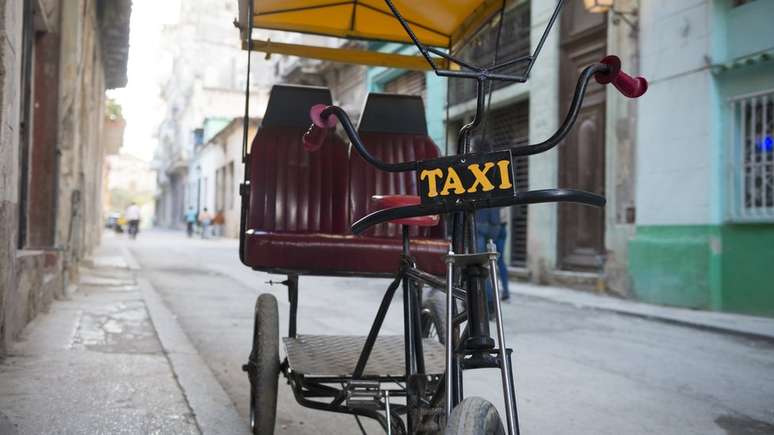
(218, 171)
(130, 180)
(207, 79)
(57, 58)
(705, 161)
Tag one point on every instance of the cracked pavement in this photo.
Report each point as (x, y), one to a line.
(93, 364)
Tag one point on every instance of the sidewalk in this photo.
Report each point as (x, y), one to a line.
(738, 324)
(98, 362)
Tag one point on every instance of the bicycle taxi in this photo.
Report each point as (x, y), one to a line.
(324, 197)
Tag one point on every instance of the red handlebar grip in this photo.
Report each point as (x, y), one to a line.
(318, 131)
(632, 87)
(314, 138)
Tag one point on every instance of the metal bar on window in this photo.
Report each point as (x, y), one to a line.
(743, 168)
(731, 168)
(764, 164)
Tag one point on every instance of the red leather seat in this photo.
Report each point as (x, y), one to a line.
(303, 203)
(393, 129)
(293, 192)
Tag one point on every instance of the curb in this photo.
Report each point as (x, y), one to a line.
(762, 330)
(212, 408)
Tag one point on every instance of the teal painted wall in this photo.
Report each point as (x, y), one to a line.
(435, 103)
(750, 28)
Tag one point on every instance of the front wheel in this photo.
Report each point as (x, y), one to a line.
(474, 416)
(264, 366)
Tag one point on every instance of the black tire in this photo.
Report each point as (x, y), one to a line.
(434, 316)
(474, 416)
(265, 373)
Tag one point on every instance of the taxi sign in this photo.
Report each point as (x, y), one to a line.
(466, 177)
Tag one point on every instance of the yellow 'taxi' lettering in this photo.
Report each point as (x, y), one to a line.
(505, 174)
(481, 178)
(452, 182)
(431, 176)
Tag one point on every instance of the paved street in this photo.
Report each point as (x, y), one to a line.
(154, 339)
(578, 370)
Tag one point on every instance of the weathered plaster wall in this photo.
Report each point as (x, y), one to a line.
(30, 277)
(81, 112)
(543, 121)
(620, 142)
(10, 70)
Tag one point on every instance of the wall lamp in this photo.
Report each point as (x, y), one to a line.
(603, 6)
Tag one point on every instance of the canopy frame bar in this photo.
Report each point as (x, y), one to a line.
(343, 55)
(479, 73)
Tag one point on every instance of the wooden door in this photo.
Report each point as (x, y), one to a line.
(581, 243)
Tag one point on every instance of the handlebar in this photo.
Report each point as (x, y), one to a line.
(528, 197)
(632, 87)
(324, 117)
(607, 71)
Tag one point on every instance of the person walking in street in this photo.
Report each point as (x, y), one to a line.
(205, 220)
(133, 219)
(492, 224)
(190, 220)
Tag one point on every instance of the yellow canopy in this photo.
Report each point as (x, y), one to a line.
(439, 23)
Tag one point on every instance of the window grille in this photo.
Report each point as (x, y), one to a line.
(751, 158)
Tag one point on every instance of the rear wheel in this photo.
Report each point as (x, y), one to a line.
(474, 416)
(264, 366)
(434, 316)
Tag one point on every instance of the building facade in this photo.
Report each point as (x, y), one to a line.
(560, 244)
(218, 172)
(58, 58)
(206, 82)
(705, 166)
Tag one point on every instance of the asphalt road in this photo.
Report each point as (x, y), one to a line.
(578, 371)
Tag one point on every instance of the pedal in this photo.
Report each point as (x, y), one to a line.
(363, 394)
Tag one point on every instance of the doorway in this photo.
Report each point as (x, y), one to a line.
(581, 232)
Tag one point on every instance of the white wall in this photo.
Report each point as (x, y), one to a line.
(543, 122)
(675, 146)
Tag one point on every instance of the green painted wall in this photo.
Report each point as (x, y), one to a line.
(747, 273)
(717, 267)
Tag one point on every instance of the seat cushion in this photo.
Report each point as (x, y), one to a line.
(383, 202)
(320, 253)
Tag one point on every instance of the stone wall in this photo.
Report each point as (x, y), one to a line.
(35, 270)
(10, 71)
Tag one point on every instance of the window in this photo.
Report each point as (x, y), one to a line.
(751, 158)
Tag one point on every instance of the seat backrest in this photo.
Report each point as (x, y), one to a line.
(292, 190)
(393, 129)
